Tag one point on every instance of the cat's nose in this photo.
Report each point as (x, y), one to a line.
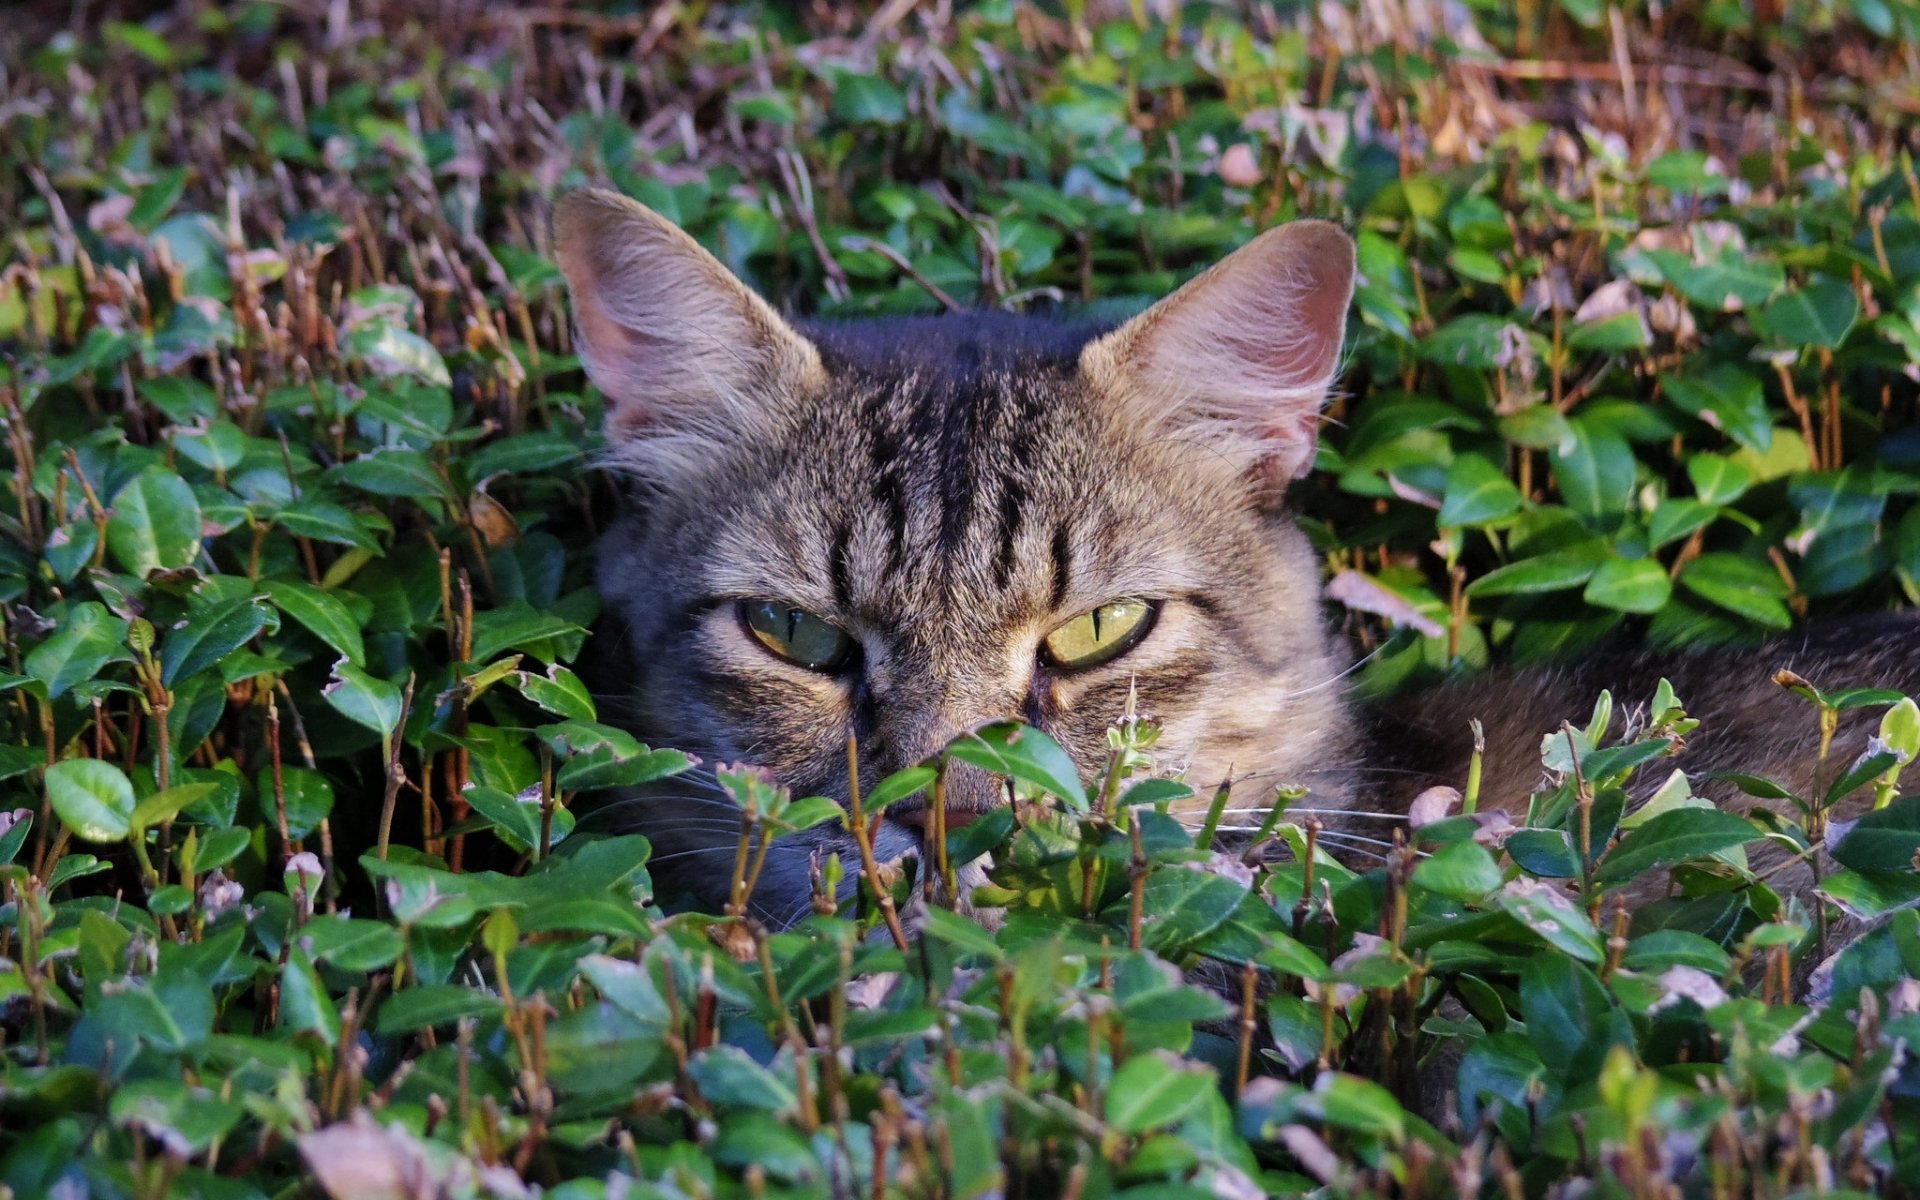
(919, 817)
(968, 794)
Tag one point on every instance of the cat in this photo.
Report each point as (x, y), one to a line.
(896, 529)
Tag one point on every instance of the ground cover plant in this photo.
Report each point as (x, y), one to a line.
(303, 890)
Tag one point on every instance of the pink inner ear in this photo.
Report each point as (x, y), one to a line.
(624, 359)
(1322, 320)
(1295, 316)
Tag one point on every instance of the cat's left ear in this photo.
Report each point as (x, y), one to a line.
(1242, 356)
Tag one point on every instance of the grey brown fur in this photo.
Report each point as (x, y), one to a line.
(947, 490)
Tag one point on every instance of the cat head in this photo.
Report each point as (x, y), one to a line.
(895, 530)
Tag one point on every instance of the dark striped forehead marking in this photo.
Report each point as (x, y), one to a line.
(954, 413)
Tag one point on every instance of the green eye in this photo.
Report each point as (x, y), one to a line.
(1099, 636)
(796, 635)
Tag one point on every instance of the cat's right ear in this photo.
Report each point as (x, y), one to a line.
(686, 354)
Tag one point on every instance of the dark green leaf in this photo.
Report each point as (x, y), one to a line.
(155, 523)
(1819, 314)
(1153, 1091)
(323, 614)
(1884, 839)
(90, 637)
(1676, 836)
(208, 635)
(1024, 754)
(1637, 585)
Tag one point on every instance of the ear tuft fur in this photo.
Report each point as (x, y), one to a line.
(1243, 354)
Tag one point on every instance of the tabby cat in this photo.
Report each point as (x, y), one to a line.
(897, 529)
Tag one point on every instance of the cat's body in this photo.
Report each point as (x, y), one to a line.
(1749, 724)
(897, 530)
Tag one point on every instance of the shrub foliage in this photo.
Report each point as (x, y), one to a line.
(301, 887)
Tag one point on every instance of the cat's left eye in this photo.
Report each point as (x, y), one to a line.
(1098, 636)
(797, 635)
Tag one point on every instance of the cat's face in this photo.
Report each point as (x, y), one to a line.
(897, 530)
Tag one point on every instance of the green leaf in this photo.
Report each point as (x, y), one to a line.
(69, 549)
(1543, 908)
(1184, 906)
(165, 806)
(1718, 480)
(308, 797)
(559, 691)
(1637, 585)
(1885, 839)
(1290, 957)
(1739, 585)
(1555, 571)
(1596, 472)
(93, 798)
(322, 613)
(1361, 1105)
(1677, 518)
(183, 400)
(208, 635)
(517, 822)
(363, 699)
(725, 1075)
(221, 448)
(860, 97)
(351, 944)
(1868, 768)
(89, 638)
(517, 626)
(808, 812)
(898, 786)
(1477, 493)
(1869, 895)
(629, 987)
(153, 202)
(1463, 870)
(1819, 314)
(1614, 333)
(1565, 1007)
(1677, 836)
(1154, 1090)
(397, 473)
(155, 523)
(434, 1006)
(391, 350)
(1025, 755)
(218, 847)
(149, 45)
(605, 767)
(14, 838)
(1728, 399)
(1737, 279)
(1537, 427)
(324, 521)
(966, 937)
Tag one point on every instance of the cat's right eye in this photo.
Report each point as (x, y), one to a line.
(797, 635)
(1099, 635)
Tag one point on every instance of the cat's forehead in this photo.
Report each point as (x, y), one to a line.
(957, 462)
(957, 349)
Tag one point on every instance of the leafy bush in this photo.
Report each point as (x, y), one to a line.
(294, 569)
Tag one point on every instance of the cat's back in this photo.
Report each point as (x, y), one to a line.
(1748, 722)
